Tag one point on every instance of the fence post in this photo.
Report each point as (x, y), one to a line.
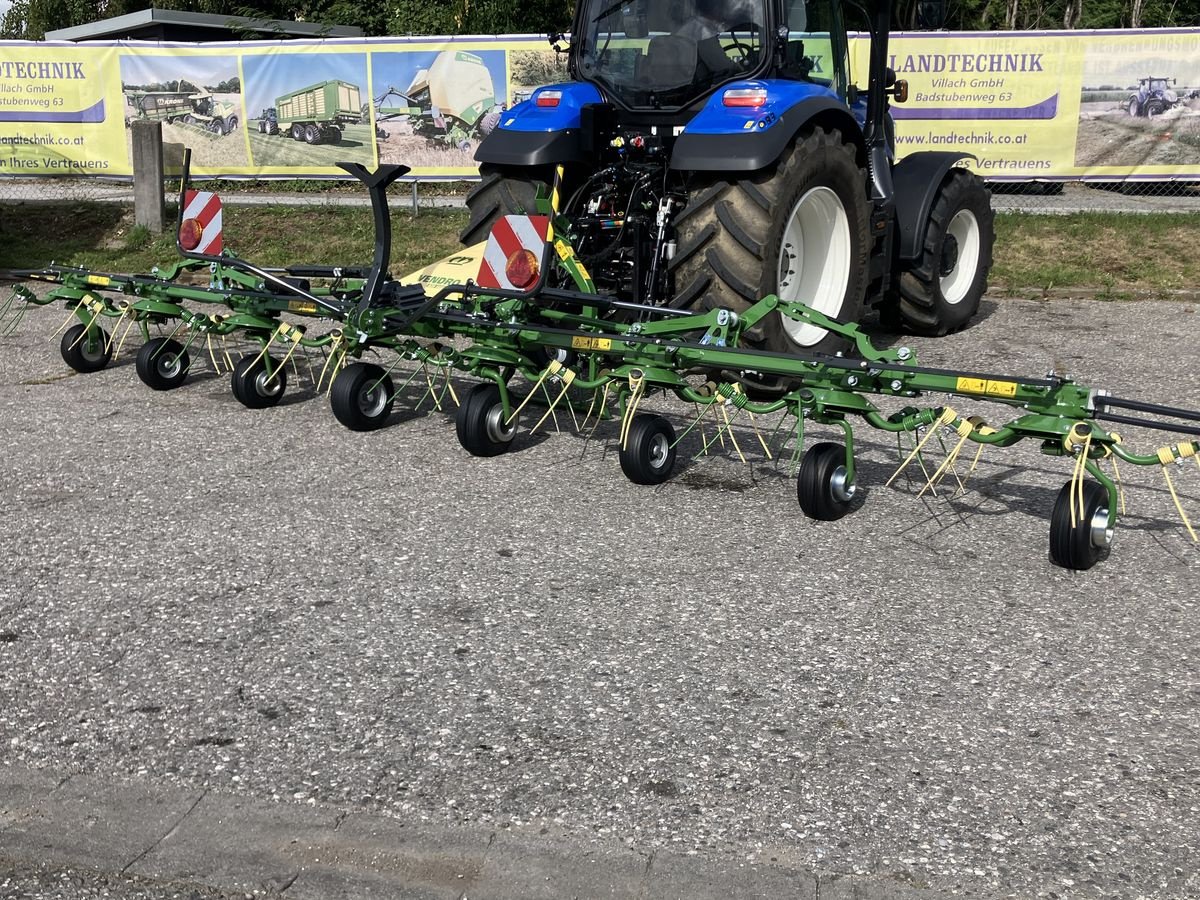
(148, 200)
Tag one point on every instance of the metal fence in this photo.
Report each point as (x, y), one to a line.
(1051, 197)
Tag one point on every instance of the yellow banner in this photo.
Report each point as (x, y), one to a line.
(1057, 105)
(1060, 105)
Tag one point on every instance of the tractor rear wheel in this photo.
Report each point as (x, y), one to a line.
(941, 292)
(500, 192)
(1155, 107)
(798, 229)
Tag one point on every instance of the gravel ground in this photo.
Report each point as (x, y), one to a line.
(265, 604)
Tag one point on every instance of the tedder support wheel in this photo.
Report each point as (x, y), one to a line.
(941, 292)
(84, 350)
(362, 397)
(648, 456)
(1080, 541)
(481, 422)
(798, 228)
(253, 386)
(162, 364)
(822, 486)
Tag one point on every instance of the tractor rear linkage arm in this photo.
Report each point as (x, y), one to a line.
(575, 339)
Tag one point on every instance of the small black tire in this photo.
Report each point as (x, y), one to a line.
(942, 290)
(649, 454)
(1080, 542)
(481, 424)
(362, 397)
(821, 485)
(253, 387)
(89, 352)
(162, 364)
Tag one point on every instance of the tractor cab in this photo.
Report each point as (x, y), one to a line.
(646, 55)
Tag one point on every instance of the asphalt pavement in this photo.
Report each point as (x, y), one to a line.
(252, 653)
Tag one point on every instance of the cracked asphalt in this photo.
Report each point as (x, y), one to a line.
(262, 608)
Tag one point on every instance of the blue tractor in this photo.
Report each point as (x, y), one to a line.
(716, 151)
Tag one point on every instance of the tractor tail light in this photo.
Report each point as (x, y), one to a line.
(745, 97)
(521, 269)
(549, 98)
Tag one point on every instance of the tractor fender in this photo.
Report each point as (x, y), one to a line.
(917, 179)
(535, 133)
(718, 140)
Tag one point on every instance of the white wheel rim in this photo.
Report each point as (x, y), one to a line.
(814, 260)
(658, 451)
(956, 283)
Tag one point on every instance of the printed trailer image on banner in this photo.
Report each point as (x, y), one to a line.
(310, 111)
(1140, 106)
(198, 100)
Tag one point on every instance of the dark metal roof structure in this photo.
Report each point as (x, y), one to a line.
(172, 25)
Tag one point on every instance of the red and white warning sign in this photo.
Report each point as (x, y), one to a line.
(200, 225)
(513, 257)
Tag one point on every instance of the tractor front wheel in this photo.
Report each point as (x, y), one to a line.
(941, 292)
(798, 229)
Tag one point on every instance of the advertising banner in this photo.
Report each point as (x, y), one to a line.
(1061, 105)
(1027, 105)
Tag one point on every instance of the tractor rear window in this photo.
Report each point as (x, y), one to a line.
(666, 55)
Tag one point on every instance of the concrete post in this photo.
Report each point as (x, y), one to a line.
(148, 198)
